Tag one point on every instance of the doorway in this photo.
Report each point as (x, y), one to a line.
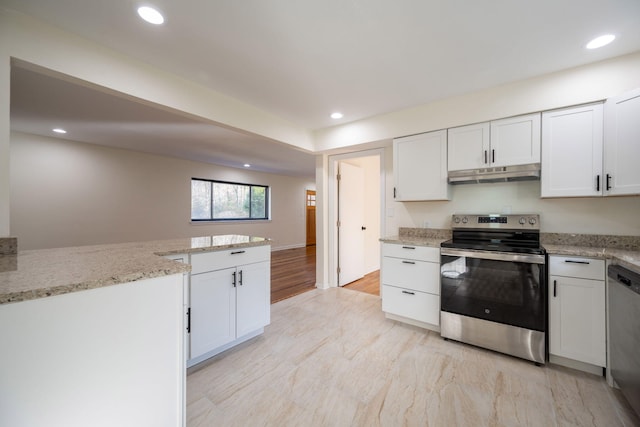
(310, 213)
(363, 237)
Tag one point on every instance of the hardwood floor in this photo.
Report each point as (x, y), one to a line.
(369, 284)
(293, 271)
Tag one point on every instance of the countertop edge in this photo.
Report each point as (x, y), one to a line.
(157, 266)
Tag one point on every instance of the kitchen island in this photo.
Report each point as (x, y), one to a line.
(95, 335)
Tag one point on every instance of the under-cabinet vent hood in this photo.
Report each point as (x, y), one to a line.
(529, 172)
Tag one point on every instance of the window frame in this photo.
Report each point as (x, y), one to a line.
(267, 204)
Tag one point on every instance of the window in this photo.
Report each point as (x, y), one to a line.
(224, 201)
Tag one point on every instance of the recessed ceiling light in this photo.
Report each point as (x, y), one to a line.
(336, 115)
(600, 41)
(59, 130)
(247, 165)
(150, 15)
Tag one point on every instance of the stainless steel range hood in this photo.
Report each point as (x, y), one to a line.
(529, 172)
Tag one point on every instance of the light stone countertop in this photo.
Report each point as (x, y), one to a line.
(623, 250)
(41, 273)
(414, 241)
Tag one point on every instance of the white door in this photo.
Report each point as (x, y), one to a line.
(420, 167)
(515, 141)
(253, 297)
(468, 147)
(622, 144)
(572, 152)
(577, 319)
(213, 310)
(351, 220)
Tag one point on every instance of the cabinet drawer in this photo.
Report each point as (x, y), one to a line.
(216, 260)
(416, 275)
(421, 253)
(580, 267)
(415, 305)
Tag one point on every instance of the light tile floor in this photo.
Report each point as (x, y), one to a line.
(330, 358)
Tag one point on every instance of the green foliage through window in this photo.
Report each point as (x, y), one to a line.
(220, 201)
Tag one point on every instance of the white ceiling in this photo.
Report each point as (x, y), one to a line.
(303, 59)
(41, 101)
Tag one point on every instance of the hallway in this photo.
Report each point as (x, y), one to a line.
(293, 271)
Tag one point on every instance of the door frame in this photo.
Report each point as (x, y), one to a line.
(333, 204)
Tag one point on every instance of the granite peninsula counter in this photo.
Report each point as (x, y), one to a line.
(34, 274)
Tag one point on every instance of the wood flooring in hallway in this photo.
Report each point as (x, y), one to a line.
(293, 271)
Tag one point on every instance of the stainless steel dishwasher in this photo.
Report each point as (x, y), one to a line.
(624, 332)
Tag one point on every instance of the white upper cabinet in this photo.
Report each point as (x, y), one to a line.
(420, 167)
(468, 146)
(515, 141)
(572, 144)
(622, 144)
(507, 142)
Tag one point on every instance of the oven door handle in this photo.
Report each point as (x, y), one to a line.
(493, 255)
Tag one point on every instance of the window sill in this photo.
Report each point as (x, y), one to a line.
(231, 221)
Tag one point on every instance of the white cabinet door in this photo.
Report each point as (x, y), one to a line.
(420, 167)
(572, 145)
(253, 297)
(577, 319)
(622, 144)
(468, 147)
(515, 141)
(213, 310)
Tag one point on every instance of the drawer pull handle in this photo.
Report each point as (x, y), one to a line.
(408, 293)
(237, 252)
(555, 288)
(408, 262)
(408, 247)
(571, 261)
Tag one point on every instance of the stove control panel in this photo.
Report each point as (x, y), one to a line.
(522, 221)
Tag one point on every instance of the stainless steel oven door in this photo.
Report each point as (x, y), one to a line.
(495, 300)
(497, 286)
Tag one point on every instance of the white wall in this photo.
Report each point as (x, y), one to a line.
(579, 85)
(588, 215)
(68, 193)
(26, 39)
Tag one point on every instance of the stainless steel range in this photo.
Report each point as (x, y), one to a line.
(493, 285)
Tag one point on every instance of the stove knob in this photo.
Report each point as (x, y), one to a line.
(456, 219)
(522, 220)
(532, 220)
(465, 220)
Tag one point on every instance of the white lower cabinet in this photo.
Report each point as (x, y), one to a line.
(577, 318)
(228, 305)
(410, 278)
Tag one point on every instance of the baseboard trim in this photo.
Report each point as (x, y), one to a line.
(429, 326)
(283, 248)
(575, 364)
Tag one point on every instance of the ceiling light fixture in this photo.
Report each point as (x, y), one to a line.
(336, 115)
(601, 41)
(59, 130)
(247, 165)
(150, 15)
